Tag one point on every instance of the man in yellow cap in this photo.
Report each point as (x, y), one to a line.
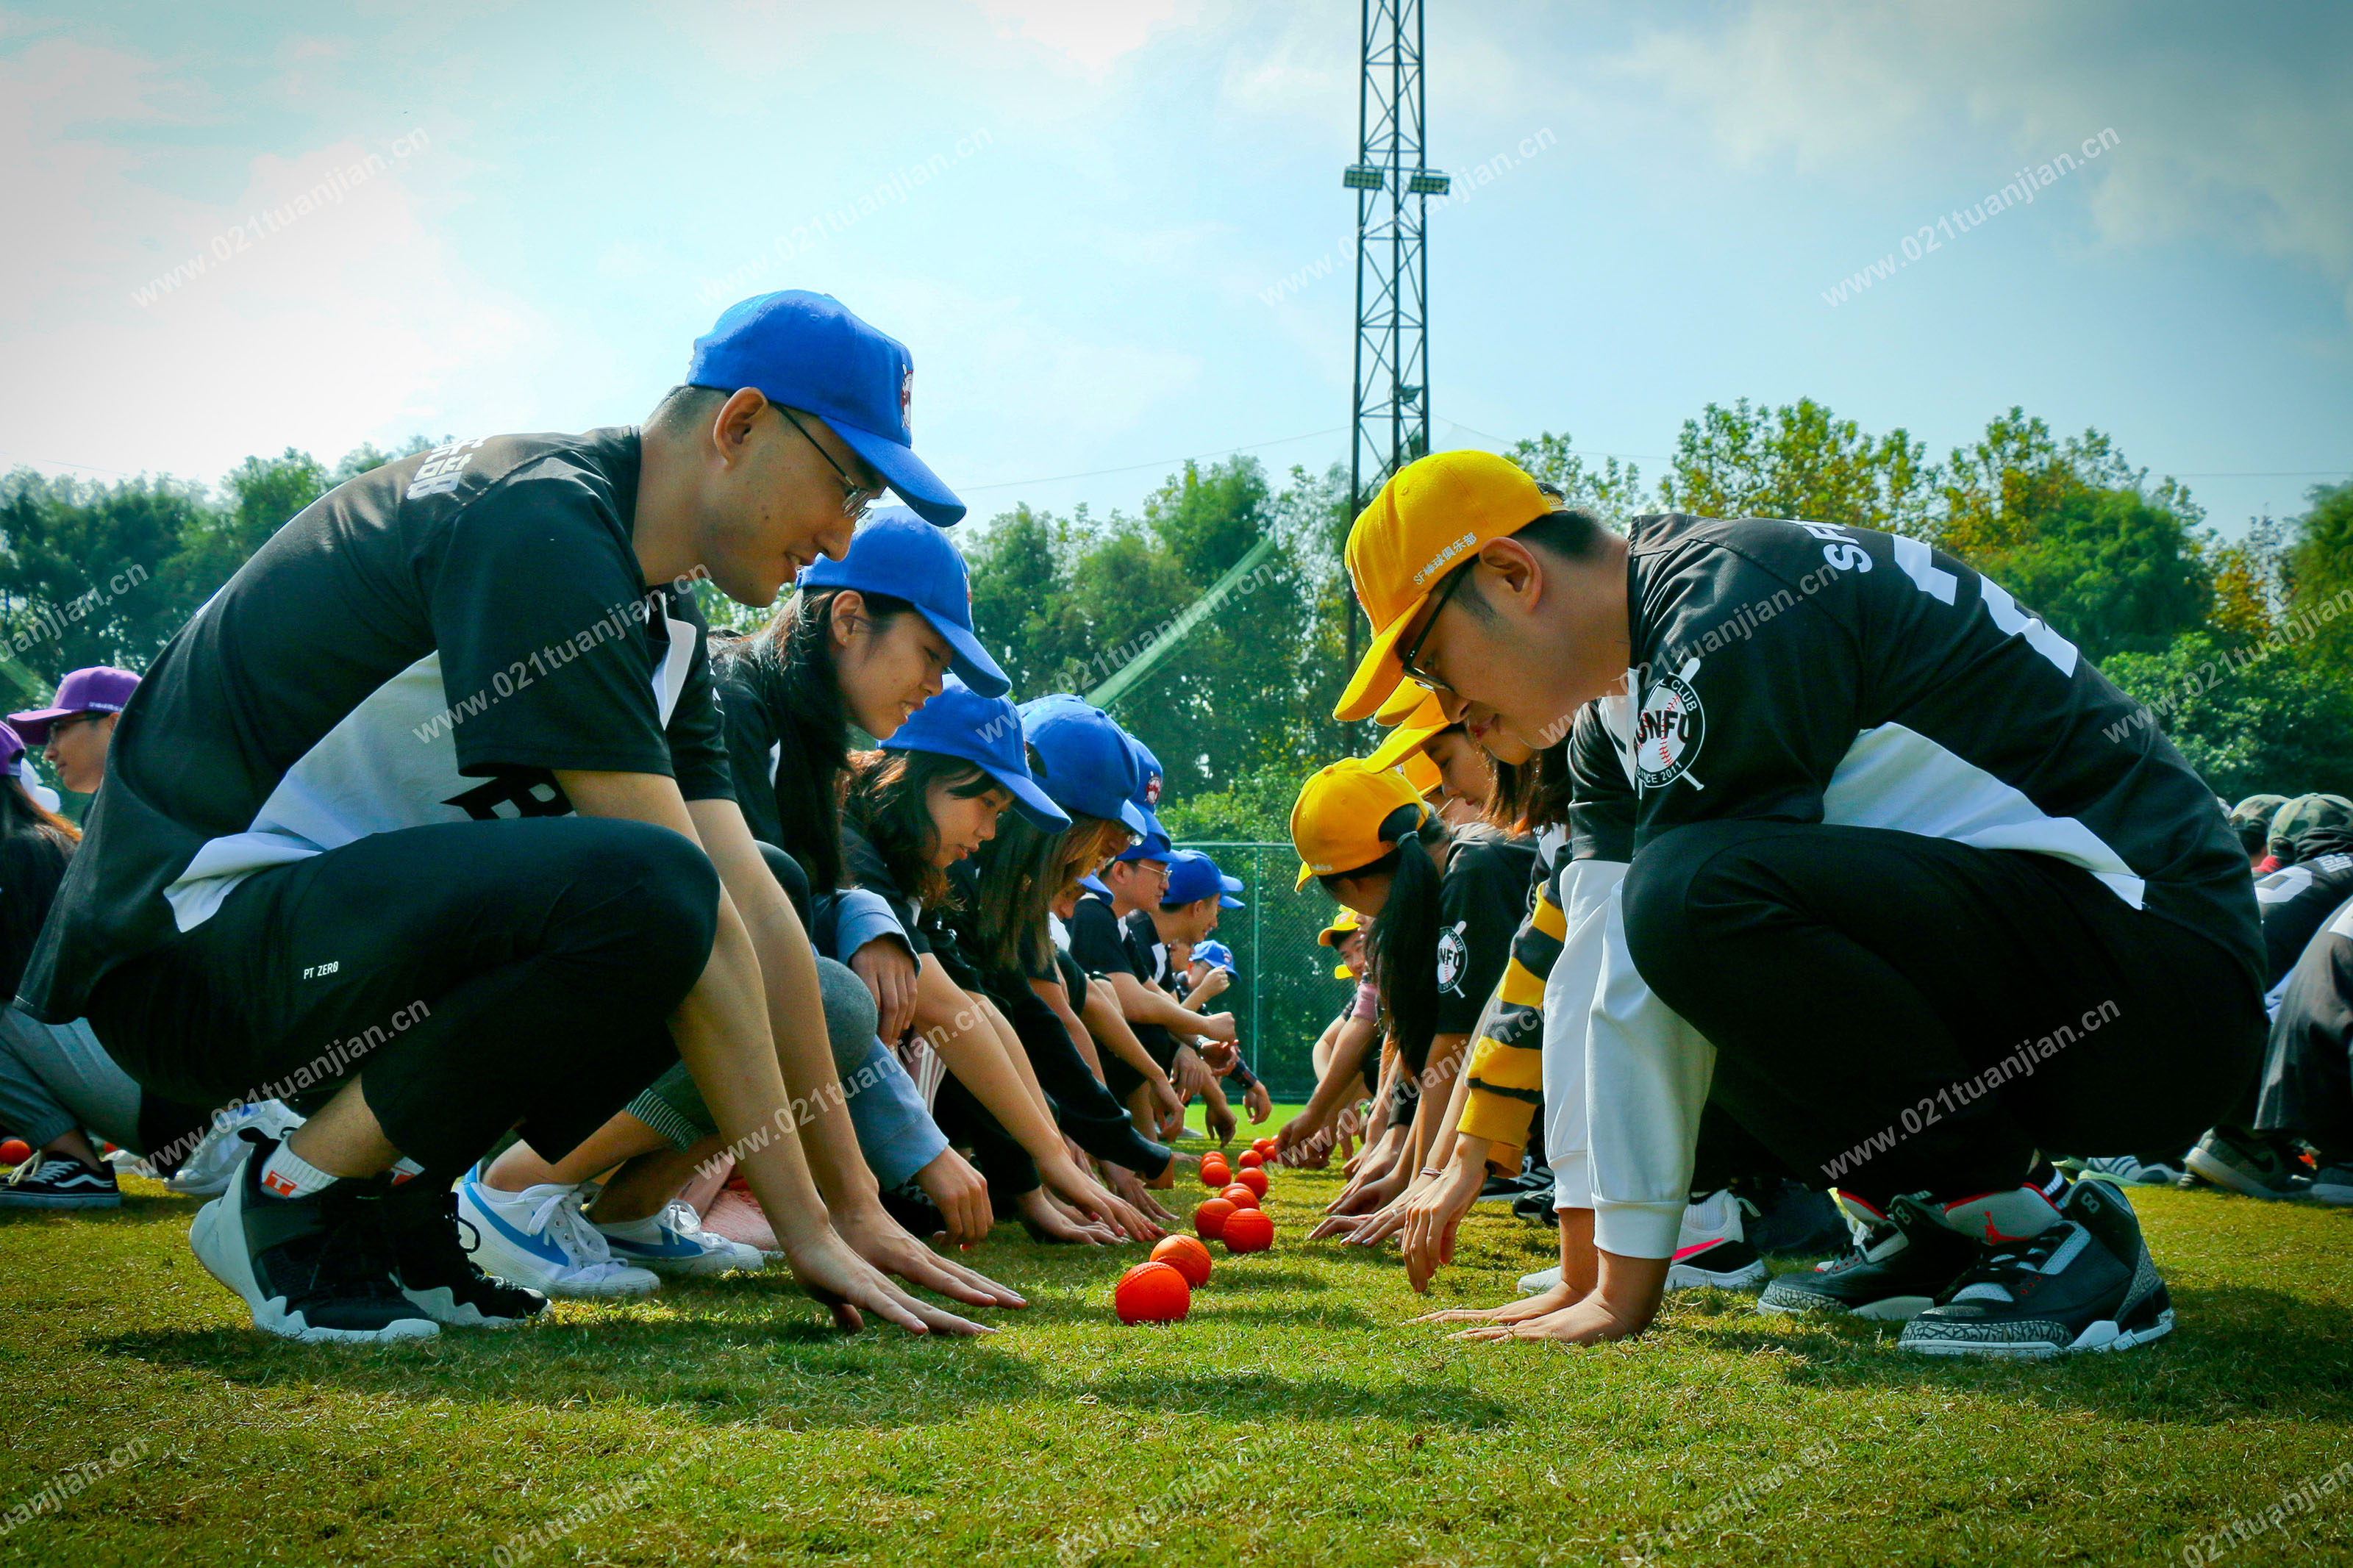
(1902, 858)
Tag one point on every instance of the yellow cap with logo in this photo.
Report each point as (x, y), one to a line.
(1336, 823)
(1344, 923)
(1433, 514)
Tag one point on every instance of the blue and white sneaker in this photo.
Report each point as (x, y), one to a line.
(674, 1242)
(539, 1239)
(206, 1172)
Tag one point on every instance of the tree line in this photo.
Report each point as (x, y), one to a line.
(2242, 648)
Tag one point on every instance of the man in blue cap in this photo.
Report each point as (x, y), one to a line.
(438, 777)
(1182, 919)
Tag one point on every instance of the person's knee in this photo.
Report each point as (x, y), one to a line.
(1671, 895)
(664, 887)
(851, 1015)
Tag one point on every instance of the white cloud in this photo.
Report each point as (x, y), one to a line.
(1089, 32)
(2233, 126)
(318, 319)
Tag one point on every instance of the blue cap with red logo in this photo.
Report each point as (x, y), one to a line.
(898, 553)
(960, 722)
(1083, 759)
(806, 351)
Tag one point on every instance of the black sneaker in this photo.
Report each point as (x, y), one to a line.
(1901, 1262)
(2334, 1185)
(59, 1182)
(2084, 1284)
(433, 1264)
(1536, 1208)
(316, 1268)
(1785, 1219)
(1725, 1263)
(2249, 1164)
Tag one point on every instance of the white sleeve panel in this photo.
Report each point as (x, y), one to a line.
(1647, 1076)
(1586, 892)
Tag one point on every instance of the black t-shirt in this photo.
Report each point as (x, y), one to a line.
(788, 800)
(1482, 899)
(1098, 941)
(1806, 672)
(420, 645)
(1145, 949)
(862, 867)
(2297, 900)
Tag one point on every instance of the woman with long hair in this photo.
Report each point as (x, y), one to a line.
(932, 799)
(1445, 901)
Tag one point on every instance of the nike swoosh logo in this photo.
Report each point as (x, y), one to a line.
(537, 1246)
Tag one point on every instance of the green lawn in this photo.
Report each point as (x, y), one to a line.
(1291, 1419)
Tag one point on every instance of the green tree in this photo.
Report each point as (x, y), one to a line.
(1611, 493)
(1802, 461)
(2111, 571)
(2319, 587)
(2263, 722)
(80, 574)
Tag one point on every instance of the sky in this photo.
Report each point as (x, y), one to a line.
(1115, 237)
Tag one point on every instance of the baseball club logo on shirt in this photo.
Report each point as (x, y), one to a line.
(1152, 790)
(1453, 957)
(1669, 730)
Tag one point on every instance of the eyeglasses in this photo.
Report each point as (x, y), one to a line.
(855, 498)
(1405, 661)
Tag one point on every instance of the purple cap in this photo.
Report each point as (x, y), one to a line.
(99, 690)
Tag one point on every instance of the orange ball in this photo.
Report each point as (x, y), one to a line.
(1263, 1148)
(14, 1151)
(1253, 1178)
(1152, 1293)
(1209, 1219)
(1213, 1173)
(1186, 1256)
(1240, 1196)
(1252, 1230)
(1252, 1160)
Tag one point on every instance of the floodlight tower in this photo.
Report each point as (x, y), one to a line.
(1391, 424)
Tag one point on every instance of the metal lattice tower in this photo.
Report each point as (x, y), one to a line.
(1392, 426)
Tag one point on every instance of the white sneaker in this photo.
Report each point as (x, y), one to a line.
(1542, 1280)
(1712, 1248)
(539, 1238)
(674, 1242)
(205, 1172)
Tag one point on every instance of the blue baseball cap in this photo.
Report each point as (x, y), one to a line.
(1094, 884)
(1193, 876)
(898, 553)
(1083, 759)
(1216, 954)
(963, 723)
(806, 351)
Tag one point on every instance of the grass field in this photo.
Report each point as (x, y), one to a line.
(1291, 1419)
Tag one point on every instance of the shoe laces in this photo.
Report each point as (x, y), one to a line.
(559, 1216)
(44, 1167)
(679, 1216)
(2000, 1266)
(355, 1255)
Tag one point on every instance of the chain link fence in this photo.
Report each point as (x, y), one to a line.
(1285, 991)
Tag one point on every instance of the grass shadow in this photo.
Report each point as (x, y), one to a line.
(1238, 1396)
(735, 1369)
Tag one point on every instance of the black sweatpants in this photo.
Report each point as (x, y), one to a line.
(2307, 1079)
(476, 975)
(1902, 1014)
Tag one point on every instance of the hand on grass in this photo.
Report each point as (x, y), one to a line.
(1519, 1312)
(1046, 1220)
(1434, 1211)
(1257, 1103)
(847, 1284)
(1091, 1198)
(1130, 1189)
(883, 1242)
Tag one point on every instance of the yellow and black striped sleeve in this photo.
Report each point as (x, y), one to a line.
(1507, 1060)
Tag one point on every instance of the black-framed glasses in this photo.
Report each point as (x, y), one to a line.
(1406, 660)
(855, 498)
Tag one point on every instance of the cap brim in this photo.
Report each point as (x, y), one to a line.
(1412, 705)
(1305, 876)
(1401, 745)
(1031, 801)
(904, 472)
(1227, 901)
(1133, 815)
(34, 726)
(1094, 884)
(968, 658)
(1378, 672)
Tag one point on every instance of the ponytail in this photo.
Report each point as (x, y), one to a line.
(1401, 953)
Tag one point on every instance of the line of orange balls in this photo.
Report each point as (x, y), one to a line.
(1161, 1290)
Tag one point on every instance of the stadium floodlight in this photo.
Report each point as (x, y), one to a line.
(1427, 182)
(1363, 177)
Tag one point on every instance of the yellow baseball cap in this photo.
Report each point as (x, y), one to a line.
(1434, 513)
(1344, 923)
(1420, 773)
(1410, 704)
(1405, 742)
(1335, 824)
